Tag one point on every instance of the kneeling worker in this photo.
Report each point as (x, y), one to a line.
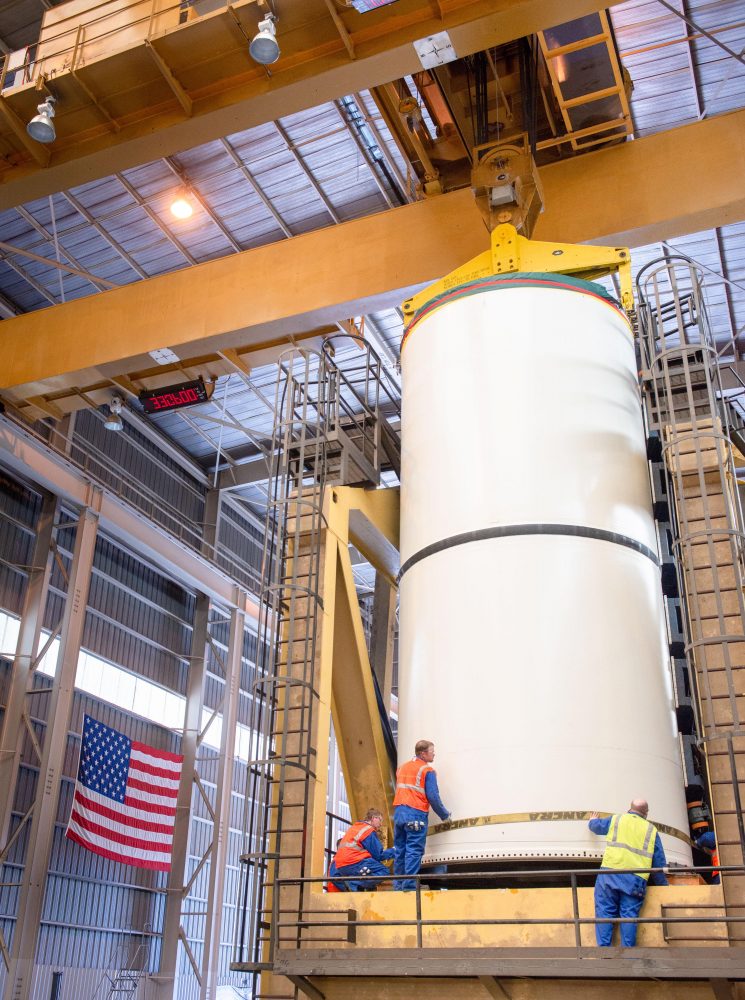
(416, 791)
(360, 853)
(631, 842)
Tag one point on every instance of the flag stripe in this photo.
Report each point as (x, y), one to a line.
(148, 786)
(160, 866)
(85, 805)
(174, 770)
(177, 758)
(141, 802)
(116, 836)
(133, 852)
(157, 772)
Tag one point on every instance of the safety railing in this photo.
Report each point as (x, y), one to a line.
(686, 392)
(98, 466)
(121, 962)
(335, 827)
(368, 381)
(361, 398)
(305, 929)
(107, 26)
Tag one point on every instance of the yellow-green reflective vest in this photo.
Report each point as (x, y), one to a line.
(629, 844)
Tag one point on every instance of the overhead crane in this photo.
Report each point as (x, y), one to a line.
(137, 81)
(50, 361)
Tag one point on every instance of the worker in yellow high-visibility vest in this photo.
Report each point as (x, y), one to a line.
(632, 842)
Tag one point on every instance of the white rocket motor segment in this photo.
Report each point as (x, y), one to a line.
(533, 648)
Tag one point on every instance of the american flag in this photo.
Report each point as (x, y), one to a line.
(125, 798)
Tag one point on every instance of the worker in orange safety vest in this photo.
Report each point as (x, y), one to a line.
(707, 842)
(416, 791)
(360, 853)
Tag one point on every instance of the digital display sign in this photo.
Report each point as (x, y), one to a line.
(174, 397)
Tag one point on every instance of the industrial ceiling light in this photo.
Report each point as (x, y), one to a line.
(264, 49)
(114, 420)
(41, 126)
(182, 208)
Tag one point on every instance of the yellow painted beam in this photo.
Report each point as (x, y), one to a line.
(224, 91)
(386, 911)
(323, 682)
(251, 297)
(657, 187)
(374, 522)
(368, 774)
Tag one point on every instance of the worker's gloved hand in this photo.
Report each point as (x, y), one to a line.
(449, 816)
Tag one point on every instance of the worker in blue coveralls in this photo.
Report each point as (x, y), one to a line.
(631, 842)
(707, 842)
(360, 853)
(416, 791)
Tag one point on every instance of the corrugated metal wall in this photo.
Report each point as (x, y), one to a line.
(134, 469)
(95, 910)
(136, 617)
(20, 508)
(240, 546)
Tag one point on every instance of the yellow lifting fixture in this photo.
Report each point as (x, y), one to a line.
(511, 253)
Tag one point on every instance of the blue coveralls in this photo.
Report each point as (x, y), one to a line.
(368, 866)
(621, 894)
(410, 834)
(708, 842)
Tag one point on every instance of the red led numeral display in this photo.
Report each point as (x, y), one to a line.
(173, 400)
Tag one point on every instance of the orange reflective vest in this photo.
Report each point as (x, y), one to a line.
(715, 863)
(410, 779)
(350, 849)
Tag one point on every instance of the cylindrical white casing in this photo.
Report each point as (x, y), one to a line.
(533, 653)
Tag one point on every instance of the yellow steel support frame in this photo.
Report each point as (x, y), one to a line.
(344, 691)
(367, 771)
(343, 682)
(511, 253)
(601, 132)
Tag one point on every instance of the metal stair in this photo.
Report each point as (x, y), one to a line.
(330, 430)
(125, 983)
(123, 974)
(359, 441)
(689, 406)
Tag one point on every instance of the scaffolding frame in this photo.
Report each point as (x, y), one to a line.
(687, 405)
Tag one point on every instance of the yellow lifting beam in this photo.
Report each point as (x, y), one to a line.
(511, 253)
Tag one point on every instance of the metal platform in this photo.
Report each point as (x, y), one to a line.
(545, 963)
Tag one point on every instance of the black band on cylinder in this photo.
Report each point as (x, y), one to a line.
(512, 530)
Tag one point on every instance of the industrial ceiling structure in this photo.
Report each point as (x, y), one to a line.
(326, 188)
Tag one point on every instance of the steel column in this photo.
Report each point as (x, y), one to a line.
(223, 802)
(382, 636)
(32, 617)
(210, 528)
(165, 981)
(31, 896)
